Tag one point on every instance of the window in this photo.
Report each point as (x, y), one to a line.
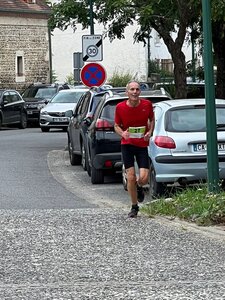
(14, 97)
(19, 66)
(187, 120)
(7, 98)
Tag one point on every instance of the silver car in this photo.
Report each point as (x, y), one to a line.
(177, 149)
(57, 113)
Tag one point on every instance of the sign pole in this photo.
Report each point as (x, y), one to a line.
(91, 17)
(212, 149)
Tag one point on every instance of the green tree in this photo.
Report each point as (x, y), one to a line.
(166, 17)
(218, 40)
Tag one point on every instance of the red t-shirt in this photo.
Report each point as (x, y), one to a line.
(126, 116)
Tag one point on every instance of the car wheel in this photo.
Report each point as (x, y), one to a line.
(83, 157)
(23, 121)
(0, 122)
(156, 189)
(124, 178)
(97, 176)
(74, 158)
(45, 129)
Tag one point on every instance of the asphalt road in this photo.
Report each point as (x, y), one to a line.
(25, 179)
(62, 238)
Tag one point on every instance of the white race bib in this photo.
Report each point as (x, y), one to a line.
(136, 132)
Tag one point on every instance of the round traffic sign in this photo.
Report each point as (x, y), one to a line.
(92, 51)
(93, 74)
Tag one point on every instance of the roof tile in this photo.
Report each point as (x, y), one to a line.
(22, 5)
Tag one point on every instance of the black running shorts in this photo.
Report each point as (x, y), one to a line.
(131, 152)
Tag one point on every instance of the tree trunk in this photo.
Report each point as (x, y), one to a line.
(178, 57)
(179, 73)
(218, 33)
(179, 62)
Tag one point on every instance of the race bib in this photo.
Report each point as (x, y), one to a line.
(136, 132)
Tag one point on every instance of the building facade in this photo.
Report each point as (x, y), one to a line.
(25, 43)
(119, 56)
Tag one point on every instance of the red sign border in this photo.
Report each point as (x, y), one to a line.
(84, 69)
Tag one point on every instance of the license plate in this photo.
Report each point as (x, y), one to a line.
(60, 119)
(203, 147)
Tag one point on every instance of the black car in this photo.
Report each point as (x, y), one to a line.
(79, 123)
(12, 109)
(37, 96)
(194, 89)
(103, 144)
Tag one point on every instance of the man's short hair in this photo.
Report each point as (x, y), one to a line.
(131, 81)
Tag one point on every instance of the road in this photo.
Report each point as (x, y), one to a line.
(63, 238)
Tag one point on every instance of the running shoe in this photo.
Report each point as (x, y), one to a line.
(140, 194)
(133, 213)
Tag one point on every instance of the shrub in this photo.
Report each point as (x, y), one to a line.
(120, 79)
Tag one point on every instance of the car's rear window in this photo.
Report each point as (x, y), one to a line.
(191, 119)
(108, 111)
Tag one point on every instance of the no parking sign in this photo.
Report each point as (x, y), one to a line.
(93, 74)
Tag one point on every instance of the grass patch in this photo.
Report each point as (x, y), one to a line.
(192, 204)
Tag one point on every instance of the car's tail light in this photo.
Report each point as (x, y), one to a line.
(108, 164)
(103, 125)
(164, 142)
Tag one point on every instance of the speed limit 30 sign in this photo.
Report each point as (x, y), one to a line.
(92, 47)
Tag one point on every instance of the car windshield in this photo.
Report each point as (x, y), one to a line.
(191, 119)
(67, 97)
(40, 92)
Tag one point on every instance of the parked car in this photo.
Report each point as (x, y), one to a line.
(77, 128)
(57, 113)
(103, 150)
(103, 154)
(103, 144)
(177, 149)
(12, 109)
(37, 96)
(194, 89)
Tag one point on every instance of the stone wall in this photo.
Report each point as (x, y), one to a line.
(31, 40)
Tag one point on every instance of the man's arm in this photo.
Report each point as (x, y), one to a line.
(151, 126)
(124, 134)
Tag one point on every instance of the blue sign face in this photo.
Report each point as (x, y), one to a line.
(93, 74)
